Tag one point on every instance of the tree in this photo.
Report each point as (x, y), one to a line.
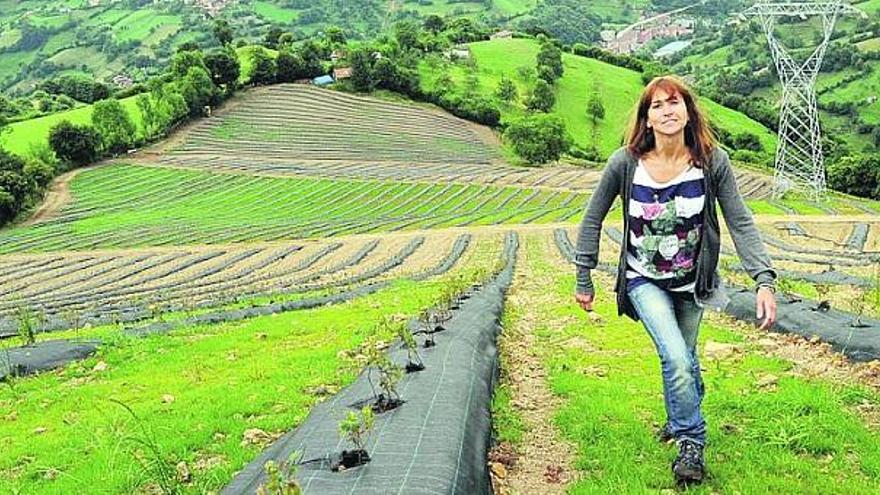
(271, 38)
(856, 174)
(182, 62)
(223, 32)
(542, 99)
(506, 90)
(538, 138)
(362, 73)
(434, 23)
(334, 36)
(550, 56)
(263, 71)
(407, 34)
(15, 186)
(197, 90)
(74, 144)
(289, 67)
(224, 67)
(595, 108)
(114, 125)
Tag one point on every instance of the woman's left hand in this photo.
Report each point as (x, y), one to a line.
(766, 307)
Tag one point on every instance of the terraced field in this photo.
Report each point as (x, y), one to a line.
(216, 283)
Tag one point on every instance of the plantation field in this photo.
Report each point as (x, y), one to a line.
(226, 275)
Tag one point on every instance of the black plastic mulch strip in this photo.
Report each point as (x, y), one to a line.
(437, 441)
(42, 356)
(858, 237)
(859, 343)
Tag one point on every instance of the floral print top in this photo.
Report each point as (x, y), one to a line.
(666, 222)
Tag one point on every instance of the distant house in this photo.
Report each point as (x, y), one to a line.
(323, 80)
(302, 81)
(500, 35)
(607, 35)
(458, 52)
(123, 81)
(342, 73)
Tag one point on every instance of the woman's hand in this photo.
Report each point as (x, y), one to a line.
(585, 301)
(766, 307)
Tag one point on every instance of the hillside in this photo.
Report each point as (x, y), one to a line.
(216, 296)
(847, 85)
(619, 89)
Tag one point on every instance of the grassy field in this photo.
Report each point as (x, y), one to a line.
(140, 24)
(255, 374)
(21, 136)
(771, 429)
(620, 89)
(274, 13)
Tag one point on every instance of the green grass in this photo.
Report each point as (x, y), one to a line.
(275, 13)
(79, 57)
(798, 436)
(869, 45)
(513, 7)
(619, 88)
(21, 136)
(249, 381)
(857, 91)
(139, 24)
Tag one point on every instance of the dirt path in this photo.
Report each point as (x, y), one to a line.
(544, 461)
(57, 196)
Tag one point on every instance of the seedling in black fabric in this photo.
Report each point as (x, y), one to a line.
(388, 376)
(426, 320)
(355, 428)
(413, 358)
(28, 322)
(281, 478)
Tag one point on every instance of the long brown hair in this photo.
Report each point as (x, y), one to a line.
(698, 136)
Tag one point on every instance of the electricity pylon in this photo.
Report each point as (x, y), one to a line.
(799, 160)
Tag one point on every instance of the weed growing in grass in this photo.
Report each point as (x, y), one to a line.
(282, 479)
(355, 428)
(161, 470)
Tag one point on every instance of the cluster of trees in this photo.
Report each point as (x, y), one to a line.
(857, 174)
(570, 21)
(77, 86)
(21, 181)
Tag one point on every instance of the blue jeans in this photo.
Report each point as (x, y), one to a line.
(672, 319)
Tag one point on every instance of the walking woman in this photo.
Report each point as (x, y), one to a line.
(669, 176)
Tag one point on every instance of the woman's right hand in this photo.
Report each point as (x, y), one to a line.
(585, 301)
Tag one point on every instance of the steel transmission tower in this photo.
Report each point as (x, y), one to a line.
(799, 162)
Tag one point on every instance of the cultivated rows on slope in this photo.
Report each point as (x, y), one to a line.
(124, 206)
(84, 287)
(303, 122)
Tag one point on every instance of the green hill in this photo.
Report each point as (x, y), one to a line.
(619, 89)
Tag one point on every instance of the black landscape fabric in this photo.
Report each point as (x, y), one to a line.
(857, 338)
(436, 442)
(42, 356)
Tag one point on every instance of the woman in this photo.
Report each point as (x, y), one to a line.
(669, 176)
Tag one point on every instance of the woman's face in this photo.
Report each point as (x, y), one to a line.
(667, 113)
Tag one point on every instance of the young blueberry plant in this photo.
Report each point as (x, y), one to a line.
(28, 322)
(281, 479)
(387, 374)
(356, 428)
(413, 358)
(427, 322)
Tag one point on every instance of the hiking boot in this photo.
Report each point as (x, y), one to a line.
(689, 466)
(664, 434)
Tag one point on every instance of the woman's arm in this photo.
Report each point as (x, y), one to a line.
(746, 237)
(587, 249)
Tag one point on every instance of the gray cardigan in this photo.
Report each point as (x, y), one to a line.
(720, 184)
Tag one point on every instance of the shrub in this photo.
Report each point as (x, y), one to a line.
(538, 138)
(74, 144)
